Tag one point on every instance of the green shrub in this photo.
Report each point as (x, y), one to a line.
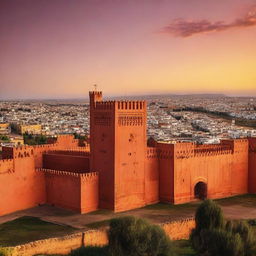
(31, 139)
(158, 242)
(213, 237)
(246, 233)
(218, 242)
(208, 216)
(130, 236)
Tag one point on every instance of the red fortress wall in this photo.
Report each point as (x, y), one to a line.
(21, 186)
(63, 142)
(240, 165)
(74, 191)
(252, 165)
(223, 168)
(119, 172)
(74, 161)
(166, 172)
(151, 176)
(209, 165)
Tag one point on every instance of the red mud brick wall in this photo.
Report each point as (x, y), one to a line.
(89, 192)
(62, 162)
(62, 245)
(63, 189)
(252, 165)
(21, 186)
(151, 176)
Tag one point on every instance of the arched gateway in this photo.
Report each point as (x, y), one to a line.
(200, 190)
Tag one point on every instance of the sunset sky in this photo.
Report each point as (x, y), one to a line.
(60, 48)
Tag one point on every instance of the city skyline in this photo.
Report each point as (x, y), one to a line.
(59, 49)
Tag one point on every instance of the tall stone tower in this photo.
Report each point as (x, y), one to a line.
(118, 148)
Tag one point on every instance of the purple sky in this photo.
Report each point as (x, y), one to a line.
(60, 48)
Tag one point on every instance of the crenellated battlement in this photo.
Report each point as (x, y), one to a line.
(105, 105)
(45, 146)
(89, 176)
(77, 149)
(23, 151)
(27, 151)
(84, 176)
(184, 154)
(241, 140)
(189, 150)
(203, 150)
(120, 105)
(22, 147)
(6, 166)
(95, 93)
(56, 172)
(131, 105)
(215, 149)
(55, 147)
(213, 146)
(74, 152)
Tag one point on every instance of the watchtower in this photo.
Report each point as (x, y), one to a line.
(118, 150)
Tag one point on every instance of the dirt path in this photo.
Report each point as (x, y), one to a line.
(243, 207)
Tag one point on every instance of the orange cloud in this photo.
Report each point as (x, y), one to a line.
(184, 28)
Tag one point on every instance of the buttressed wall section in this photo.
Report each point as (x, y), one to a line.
(152, 176)
(74, 191)
(166, 172)
(22, 186)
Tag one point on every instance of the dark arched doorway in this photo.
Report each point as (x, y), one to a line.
(200, 190)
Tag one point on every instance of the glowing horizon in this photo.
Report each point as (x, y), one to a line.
(60, 48)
